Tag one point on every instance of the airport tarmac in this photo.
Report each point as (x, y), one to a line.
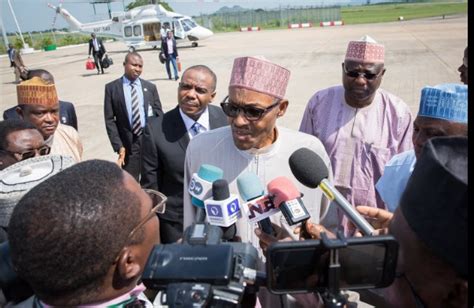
(418, 53)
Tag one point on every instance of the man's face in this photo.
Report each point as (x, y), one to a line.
(133, 67)
(360, 90)
(259, 133)
(425, 128)
(44, 117)
(195, 92)
(463, 68)
(151, 227)
(23, 141)
(427, 275)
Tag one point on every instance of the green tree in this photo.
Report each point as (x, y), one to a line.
(137, 3)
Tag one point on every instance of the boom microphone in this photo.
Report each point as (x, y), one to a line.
(310, 170)
(252, 192)
(288, 199)
(200, 187)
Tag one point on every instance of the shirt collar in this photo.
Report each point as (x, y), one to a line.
(203, 119)
(116, 301)
(127, 81)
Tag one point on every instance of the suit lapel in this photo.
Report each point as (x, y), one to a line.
(123, 105)
(180, 129)
(146, 94)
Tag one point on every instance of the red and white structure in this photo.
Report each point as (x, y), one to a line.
(331, 23)
(245, 29)
(300, 25)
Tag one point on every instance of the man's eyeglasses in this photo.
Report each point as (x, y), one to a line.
(188, 87)
(44, 150)
(356, 74)
(158, 207)
(251, 113)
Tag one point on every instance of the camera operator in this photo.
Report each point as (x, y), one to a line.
(83, 236)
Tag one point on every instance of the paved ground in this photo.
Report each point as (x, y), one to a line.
(418, 53)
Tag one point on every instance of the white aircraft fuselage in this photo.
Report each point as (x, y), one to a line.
(141, 27)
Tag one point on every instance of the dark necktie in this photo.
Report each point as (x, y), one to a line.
(196, 128)
(136, 123)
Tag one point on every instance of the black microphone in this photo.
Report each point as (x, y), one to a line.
(223, 209)
(310, 170)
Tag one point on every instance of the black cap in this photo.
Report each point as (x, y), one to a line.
(220, 190)
(308, 167)
(434, 202)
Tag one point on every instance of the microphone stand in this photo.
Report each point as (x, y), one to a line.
(333, 297)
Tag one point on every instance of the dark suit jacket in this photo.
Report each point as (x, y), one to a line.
(116, 115)
(164, 144)
(67, 114)
(164, 47)
(101, 46)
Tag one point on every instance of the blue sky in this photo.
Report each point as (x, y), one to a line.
(36, 15)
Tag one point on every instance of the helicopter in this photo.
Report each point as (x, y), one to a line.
(140, 27)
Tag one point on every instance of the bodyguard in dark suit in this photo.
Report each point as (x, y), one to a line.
(129, 103)
(98, 51)
(67, 112)
(166, 138)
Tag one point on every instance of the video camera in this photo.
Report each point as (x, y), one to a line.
(203, 271)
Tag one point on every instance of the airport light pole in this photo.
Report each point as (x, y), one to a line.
(4, 33)
(17, 25)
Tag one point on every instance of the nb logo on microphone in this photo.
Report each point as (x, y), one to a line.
(195, 187)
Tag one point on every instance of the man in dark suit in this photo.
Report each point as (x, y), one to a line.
(67, 112)
(168, 46)
(166, 138)
(128, 104)
(98, 51)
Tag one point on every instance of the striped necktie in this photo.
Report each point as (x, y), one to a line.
(136, 123)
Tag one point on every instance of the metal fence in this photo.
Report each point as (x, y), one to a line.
(269, 18)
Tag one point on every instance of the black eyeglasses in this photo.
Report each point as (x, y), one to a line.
(44, 150)
(188, 87)
(356, 74)
(251, 113)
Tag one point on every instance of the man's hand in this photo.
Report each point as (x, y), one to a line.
(281, 235)
(378, 218)
(309, 230)
(121, 157)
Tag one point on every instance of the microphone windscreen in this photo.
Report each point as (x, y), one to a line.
(250, 186)
(210, 173)
(308, 167)
(282, 189)
(220, 190)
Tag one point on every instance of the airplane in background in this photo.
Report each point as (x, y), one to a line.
(141, 26)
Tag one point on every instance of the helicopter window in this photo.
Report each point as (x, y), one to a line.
(115, 19)
(185, 26)
(137, 30)
(127, 31)
(191, 24)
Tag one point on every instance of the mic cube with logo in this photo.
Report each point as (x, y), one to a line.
(223, 213)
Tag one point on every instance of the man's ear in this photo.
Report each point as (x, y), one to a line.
(127, 264)
(213, 95)
(282, 107)
(383, 72)
(19, 111)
